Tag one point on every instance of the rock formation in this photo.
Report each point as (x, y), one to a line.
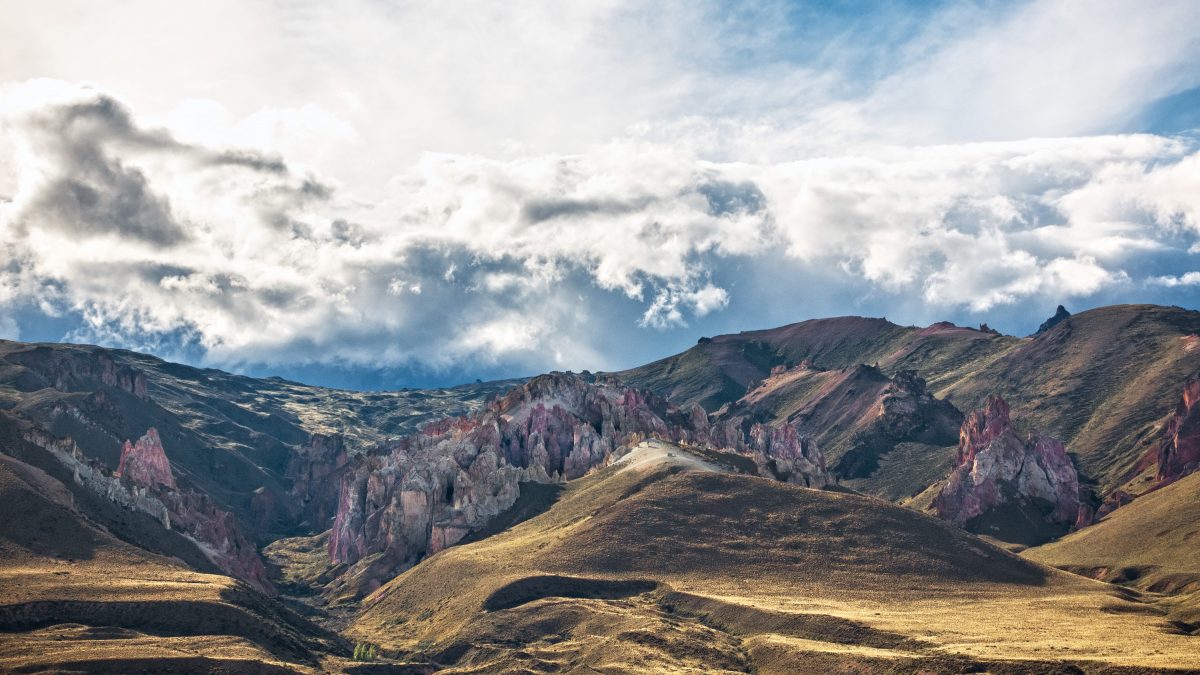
(144, 482)
(430, 489)
(906, 412)
(1178, 451)
(315, 471)
(996, 468)
(145, 462)
(145, 468)
(1060, 315)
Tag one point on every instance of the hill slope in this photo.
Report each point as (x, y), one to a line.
(1152, 544)
(662, 562)
(73, 597)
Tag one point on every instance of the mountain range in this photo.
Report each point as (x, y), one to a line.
(835, 495)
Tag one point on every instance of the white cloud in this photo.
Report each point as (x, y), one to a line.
(1186, 279)
(253, 259)
(384, 184)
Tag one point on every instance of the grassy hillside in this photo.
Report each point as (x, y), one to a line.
(663, 563)
(1102, 381)
(1151, 544)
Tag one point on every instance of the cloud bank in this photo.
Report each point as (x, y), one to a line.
(239, 242)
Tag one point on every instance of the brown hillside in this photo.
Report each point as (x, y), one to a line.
(1151, 544)
(74, 598)
(661, 563)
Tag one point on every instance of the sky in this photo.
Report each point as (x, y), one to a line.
(373, 194)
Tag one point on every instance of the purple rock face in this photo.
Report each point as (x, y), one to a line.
(316, 471)
(430, 489)
(995, 467)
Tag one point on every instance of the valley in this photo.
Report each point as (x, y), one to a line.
(837, 495)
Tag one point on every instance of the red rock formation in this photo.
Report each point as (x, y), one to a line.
(145, 462)
(431, 488)
(145, 465)
(1175, 455)
(1178, 451)
(996, 467)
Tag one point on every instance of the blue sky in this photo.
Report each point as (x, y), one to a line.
(373, 194)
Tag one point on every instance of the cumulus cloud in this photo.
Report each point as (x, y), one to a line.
(1186, 279)
(152, 240)
(557, 184)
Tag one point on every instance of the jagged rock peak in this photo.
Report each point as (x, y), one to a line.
(996, 468)
(145, 462)
(1060, 315)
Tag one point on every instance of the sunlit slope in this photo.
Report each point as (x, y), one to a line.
(1152, 543)
(668, 565)
(717, 370)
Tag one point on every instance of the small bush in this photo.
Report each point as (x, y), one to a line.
(365, 651)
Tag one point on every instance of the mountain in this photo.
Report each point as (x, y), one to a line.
(1101, 381)
(719, 370)
(805, 494)
(664, 561)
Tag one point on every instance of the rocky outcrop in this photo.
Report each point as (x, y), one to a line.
(779, 451)
(1178, 451)
(430, 489)
(92, 474)
(997, 469)
(145, 462)
(144, 483)
(906, 412)
(145, 469)
(1060, 315)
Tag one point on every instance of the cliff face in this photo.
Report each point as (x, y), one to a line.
(71, 372)
(431, 488)
(997, 470)
(1179, 449)
(316, 471)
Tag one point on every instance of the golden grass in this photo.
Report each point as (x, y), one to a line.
(754, 571)
(1152, 544)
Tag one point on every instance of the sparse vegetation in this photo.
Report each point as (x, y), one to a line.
(366, 651)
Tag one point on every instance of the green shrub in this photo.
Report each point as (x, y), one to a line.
(365, 651)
